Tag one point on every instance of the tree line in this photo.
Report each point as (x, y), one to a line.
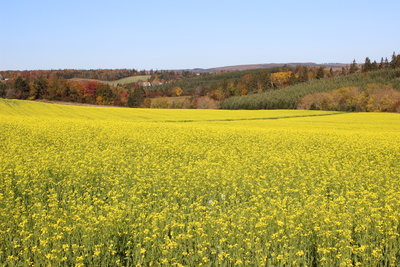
(61, 89)
(357, 95)
(98, 74)
(55, 84)
(58, 85)
(372, 66)
(240, 83)
(373, 98)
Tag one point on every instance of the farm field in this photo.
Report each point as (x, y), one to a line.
(122, 81)
(130, 79)
(106, 186)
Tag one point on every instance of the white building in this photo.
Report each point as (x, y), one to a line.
(146, 84)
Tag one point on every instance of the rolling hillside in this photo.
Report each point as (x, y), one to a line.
(289, 97)
(209, 80)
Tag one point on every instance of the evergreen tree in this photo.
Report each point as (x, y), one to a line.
(353, 67)
(398, 61)
(386, 64)
(382, 64)
(136, 96)
(367, 65)
(393, 63)
(374, 65)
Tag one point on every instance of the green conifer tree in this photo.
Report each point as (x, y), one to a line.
(353, 67)
(367, 65)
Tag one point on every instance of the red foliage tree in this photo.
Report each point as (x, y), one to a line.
(89, 88)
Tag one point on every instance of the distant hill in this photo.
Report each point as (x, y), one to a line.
(266, 66)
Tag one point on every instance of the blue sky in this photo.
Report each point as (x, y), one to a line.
(187, 34)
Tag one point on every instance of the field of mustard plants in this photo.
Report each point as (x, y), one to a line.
(105, 186)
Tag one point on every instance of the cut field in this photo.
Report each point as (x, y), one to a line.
(130, 79)
(122, 81)
(110, 186)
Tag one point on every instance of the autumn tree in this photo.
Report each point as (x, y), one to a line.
(40, 86)
(22, 88)
(104, 94)
(3, 88)
(90, 88)
(281, 78)
(200, 91)
(320, 73)
(263, 81)
(76, 91)
(331, 74)
(177, 91)
(54, 85)
(63, 89)
(304, 74)
(232, 89)
(249, 82)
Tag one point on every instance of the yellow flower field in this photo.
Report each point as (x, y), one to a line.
(114, 186)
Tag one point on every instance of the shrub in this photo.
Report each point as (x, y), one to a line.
(206, 102)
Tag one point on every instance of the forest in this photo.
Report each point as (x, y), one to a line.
(369, 87)
(287, 87)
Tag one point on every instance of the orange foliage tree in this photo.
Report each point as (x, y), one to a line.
(281, 78)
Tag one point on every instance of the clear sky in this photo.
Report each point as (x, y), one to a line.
(187, 34)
